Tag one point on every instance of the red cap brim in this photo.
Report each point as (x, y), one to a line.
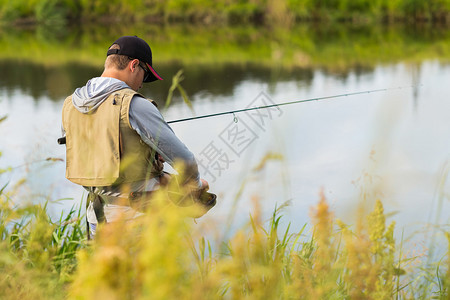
(156, 75)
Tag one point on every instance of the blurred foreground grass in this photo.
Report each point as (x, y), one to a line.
(163, 256)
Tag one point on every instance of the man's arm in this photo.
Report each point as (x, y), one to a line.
(148, 122)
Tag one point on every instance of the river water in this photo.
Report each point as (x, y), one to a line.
(391, 143)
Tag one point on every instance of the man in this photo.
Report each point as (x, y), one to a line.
(117, 140)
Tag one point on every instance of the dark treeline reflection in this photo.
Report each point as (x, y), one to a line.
(46, 63)
(39, 81)
(57, 82)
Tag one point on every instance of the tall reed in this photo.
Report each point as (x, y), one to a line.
(160, 256)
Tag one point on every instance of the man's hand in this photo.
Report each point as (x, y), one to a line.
(205, 185)
(158, 165)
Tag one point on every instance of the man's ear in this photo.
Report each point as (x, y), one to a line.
(133, 65)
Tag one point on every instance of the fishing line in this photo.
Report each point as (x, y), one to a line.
(285, 103)
(62, 140)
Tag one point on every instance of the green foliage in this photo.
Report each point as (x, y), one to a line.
(162, 256)
(11, 10)
(266, 11)
(37, 255)
(51, 12)
(337, 49)
(259, 262)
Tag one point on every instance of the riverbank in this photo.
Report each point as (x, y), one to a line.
(64, 59)
(64, 12)
(331, 47)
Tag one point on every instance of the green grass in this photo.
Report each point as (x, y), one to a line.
(163, 255)
(66, 60)
(297, 47)
(223, 11)
(37, 254)
(336, 47)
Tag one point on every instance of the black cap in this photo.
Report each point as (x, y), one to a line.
(135, 47)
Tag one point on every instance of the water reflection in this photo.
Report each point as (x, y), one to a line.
(39, 81)
(52, 63)
(74, 54)
(57, 82)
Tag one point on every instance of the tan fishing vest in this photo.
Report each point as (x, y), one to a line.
(101, 147)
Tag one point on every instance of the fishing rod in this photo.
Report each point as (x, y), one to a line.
(62, 140)
(284, 103)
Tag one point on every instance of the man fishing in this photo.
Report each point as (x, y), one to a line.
(117, 140)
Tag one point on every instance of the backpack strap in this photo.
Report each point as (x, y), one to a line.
(97, 203)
